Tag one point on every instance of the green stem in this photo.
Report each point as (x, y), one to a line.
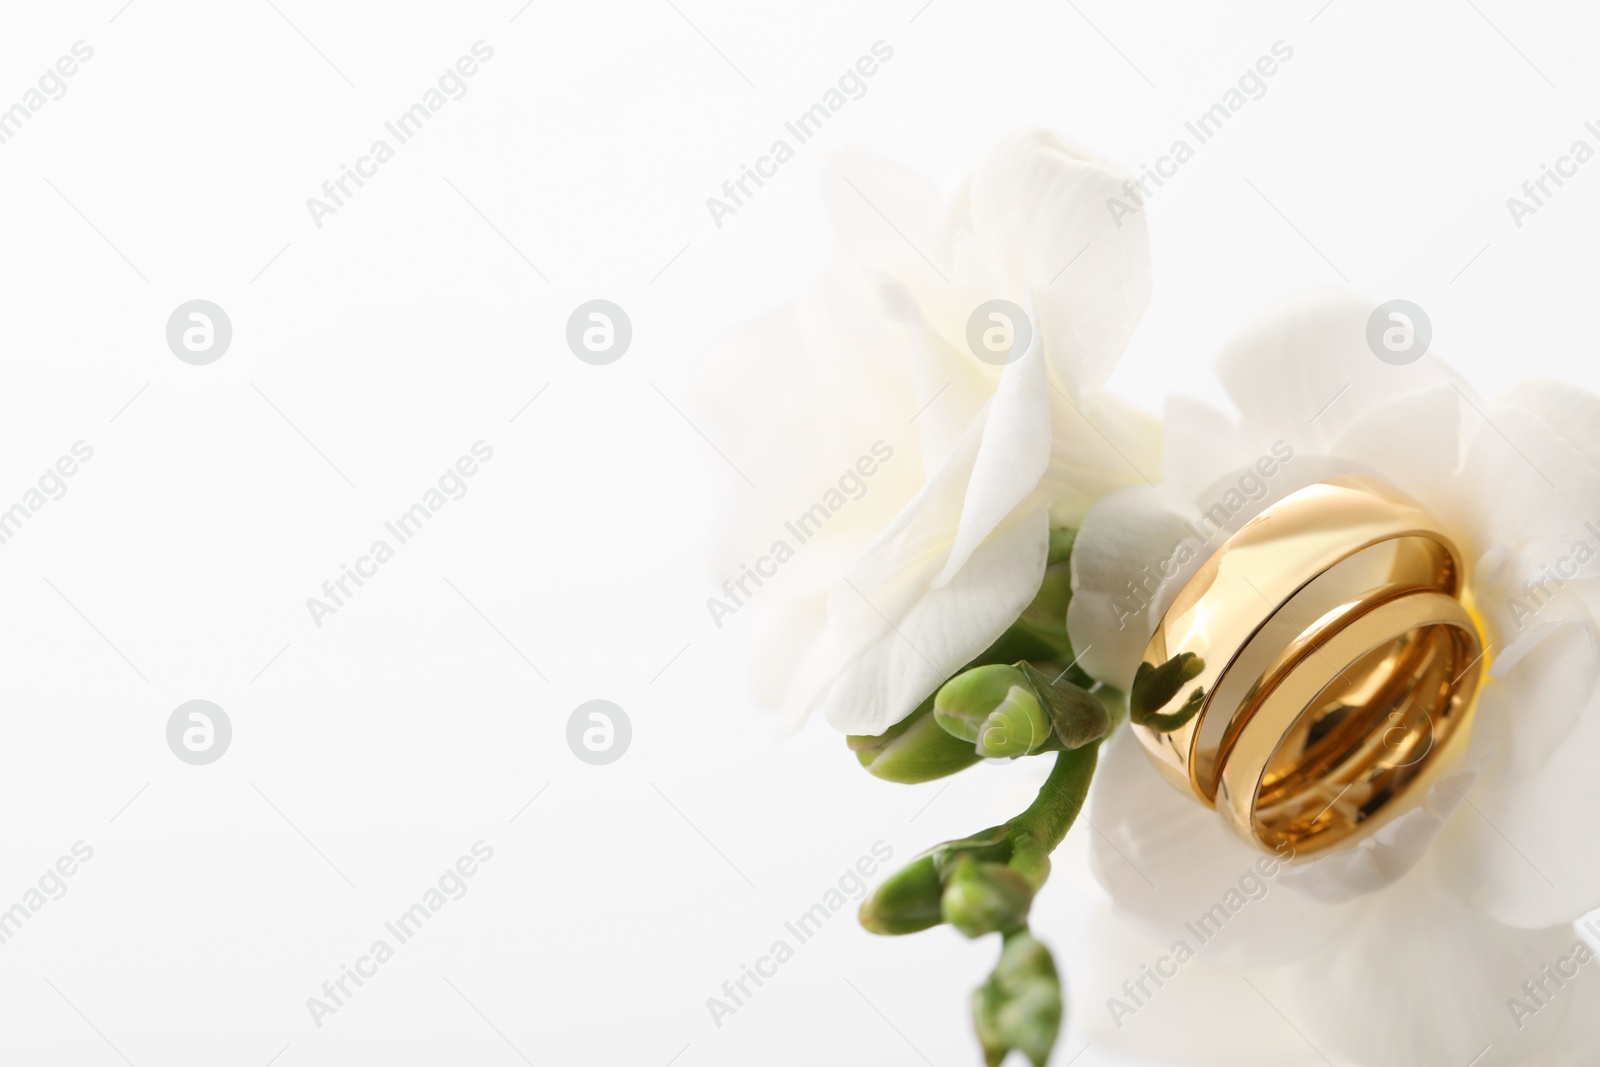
(1061, 798)
(1037, 831)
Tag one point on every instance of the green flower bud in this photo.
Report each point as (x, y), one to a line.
(1019, 1007)
(1012, 711)
(985, 898)
(907, 902)
(913, 750)
(963, 704)
(912, 898)
(1031, 1020)
(1014, 728)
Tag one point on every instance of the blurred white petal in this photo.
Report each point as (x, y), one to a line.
(1521, 848)
(949, 542)
(1171, 866)
(1416, 978)
(1302, 371)
(1206, 1011)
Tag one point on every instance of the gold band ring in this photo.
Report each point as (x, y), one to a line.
(1317, 666)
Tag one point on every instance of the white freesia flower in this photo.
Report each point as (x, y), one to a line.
(922, 563)
(1411, 947)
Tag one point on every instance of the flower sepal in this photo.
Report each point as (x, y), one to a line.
(915, 749)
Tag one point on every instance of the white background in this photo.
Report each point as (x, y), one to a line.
(370, 753)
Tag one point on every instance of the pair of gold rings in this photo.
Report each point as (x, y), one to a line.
(1328, 667)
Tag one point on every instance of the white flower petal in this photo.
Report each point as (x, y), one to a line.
(1099, 444)
(952, 387)
(899, 638)
(1415, 445)
(854, 367)
(797, 397)
(1197, 442)
(1302, 371)
(1121, 541)
(795, 415)
(999, 450)
(1536, 448)
(1012, 457)
(1416, 978)
(1545, 678)
(1570, 417)
(1172, 867)
(1579, 1035)
(782, 635)
(1520, 850)
(1202, 1012)
(888, 217)
(1036, 209)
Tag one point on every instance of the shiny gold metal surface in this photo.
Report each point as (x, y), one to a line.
(1352, 719)
(1332, 643)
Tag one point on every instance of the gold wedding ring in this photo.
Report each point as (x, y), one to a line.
(1332, 666)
